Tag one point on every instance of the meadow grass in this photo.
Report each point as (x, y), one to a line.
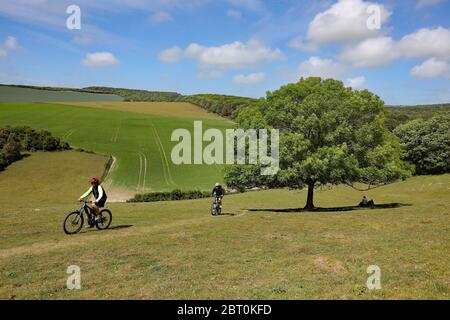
(140, 143)
(178, 250)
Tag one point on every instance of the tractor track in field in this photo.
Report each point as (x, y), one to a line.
(142, 172)
(67, 134)
(115, 135)
(165, 162)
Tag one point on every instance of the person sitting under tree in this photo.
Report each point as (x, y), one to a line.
(366, 202)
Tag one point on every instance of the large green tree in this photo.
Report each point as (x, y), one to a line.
(329, 134)
(426, 144)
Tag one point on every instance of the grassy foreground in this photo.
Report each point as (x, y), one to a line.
(177, 250)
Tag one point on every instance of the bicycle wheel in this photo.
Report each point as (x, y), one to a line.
(105, 220)
(73, 222)
(213, 209)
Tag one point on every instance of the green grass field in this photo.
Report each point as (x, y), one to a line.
(139, 142)
(255, 250)
(16, 94)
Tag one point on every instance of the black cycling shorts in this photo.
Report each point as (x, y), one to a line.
(101, 203)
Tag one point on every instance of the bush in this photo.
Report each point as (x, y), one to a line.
(426, 144)
(176, 194)
(14, 140)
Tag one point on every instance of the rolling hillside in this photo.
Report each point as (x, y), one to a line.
(141, 143)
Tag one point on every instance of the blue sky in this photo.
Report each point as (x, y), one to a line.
(239, 47)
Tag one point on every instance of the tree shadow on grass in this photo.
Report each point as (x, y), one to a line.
(337, 209)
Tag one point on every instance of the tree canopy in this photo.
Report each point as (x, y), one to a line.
(329, 134)
(426, 144)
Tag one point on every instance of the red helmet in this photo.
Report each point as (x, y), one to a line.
(95, 180)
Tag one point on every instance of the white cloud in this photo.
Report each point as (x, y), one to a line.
(99, 59)
(345, 21)
(210, 74)
(193, 50)
(324, 68)
(371, 52)
(299, 44)
(426, 43)
(236, 55)
(11, 43)
(425, 3)
(160, 17)
(171, 55)
(227, 56)
(356, 83)
(252, 78)
(234, 14)
(432, 68)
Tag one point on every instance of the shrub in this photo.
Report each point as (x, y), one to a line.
(14, 140)
(426, 144)
(176, 194)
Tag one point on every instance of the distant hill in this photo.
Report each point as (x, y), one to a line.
(224, 105)
(18, 93)
(397, 115)
(137, 95)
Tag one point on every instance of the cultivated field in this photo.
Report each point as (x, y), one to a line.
(172, 109)
(139, 142)
(16, 94)
(259, 248)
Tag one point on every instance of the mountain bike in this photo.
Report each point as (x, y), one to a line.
(74, 221)
(216, 206)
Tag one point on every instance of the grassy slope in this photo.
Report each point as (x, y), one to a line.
(16, 94)
(131, 137)
(177, 250)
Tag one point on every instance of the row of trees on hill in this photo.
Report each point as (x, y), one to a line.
(137, 95)
(402, 114)
(15, 140)
(224, 105)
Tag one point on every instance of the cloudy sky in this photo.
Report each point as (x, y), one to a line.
(398, 49)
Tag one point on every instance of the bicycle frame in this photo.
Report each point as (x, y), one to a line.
(86, 210)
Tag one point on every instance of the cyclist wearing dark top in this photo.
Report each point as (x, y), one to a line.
(218, 192)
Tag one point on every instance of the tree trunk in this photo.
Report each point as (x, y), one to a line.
(310, 200)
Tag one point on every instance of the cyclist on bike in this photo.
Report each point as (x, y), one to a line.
(99, 194)
(218, 192)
